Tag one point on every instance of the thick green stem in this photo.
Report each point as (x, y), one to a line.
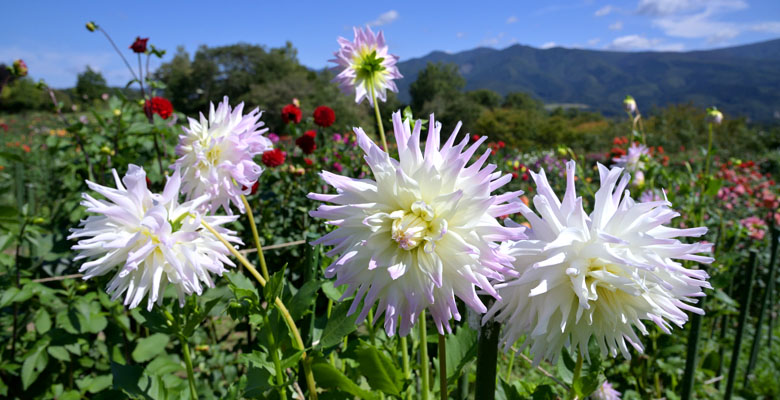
(185, 349)
(424, 368)
(509, 367)
(405, 357)
(298, 341)
(763, 304)
(275, 358)
(576, 376)
(378, 116)
(743, 315)
(487, 359)
(442, 368)
(691, 359)
(260, 256)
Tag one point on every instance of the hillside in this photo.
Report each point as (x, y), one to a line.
(741, 81)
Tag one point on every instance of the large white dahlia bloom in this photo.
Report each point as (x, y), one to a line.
(150, 238)
(216, 155)
(423, 231)
(365, 64)
(597, 275)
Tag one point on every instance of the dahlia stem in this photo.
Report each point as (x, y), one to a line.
(576, 376)
(185, 349)
(118, 52)
(743, 316)
(424, 368)
(305, 361)
(405, 357)
(487, 358)
(275, 359)
(442, 368)
(260, 256)
(709, 152)
(509, 367)
(379, 120)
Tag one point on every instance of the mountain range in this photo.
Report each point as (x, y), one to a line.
(740, 81)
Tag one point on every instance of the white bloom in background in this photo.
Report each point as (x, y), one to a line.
(150, 239)
(422, 232)
(634, 160)
(216, 155)
(597, 275)
(606, 392)
(365, 64)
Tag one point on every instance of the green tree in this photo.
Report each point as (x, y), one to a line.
(90, 84)
(435, 80)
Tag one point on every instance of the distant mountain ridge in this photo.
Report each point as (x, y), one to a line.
(741, 81)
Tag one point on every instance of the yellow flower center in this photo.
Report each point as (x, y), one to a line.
(412, 227)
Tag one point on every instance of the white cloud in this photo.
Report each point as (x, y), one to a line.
(664, 8)
(384, 19)
(511, 20)
(616, 26)
(604, 11)
(637, 42)
(766, 27)
(492, 41)
(593, 42)
(548, 45)
(460, 35)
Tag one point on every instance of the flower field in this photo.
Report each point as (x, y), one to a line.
(310, 252)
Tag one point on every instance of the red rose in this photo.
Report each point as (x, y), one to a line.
(273, 158)
(324, 116)
(160, 106)
(501, 144)
(306, 143)
(308, 161)
(291, 113)
(475, 137)
(312, 134)
(139, 46)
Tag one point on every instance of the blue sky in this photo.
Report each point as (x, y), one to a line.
(51, 38)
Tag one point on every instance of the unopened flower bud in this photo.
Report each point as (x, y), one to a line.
(714, 116)
(117, 112)
(91, 26)
(629, 104)
(639, 179)
(296, 102)
(20, 68)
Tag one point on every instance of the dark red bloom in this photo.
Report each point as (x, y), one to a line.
(306, 143)
(4, 126)
(308, 161)
(254, 187)
(501, 144)
(291, 113)
(324, 116)
(139, 46)
(475, 137)
(313, 134)
(160, 106)
(273, 158)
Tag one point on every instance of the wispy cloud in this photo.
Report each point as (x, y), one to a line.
(616, 26)
(593, 42)
(511, 20)
(637, 42)
(548, 45)
(460, 35)
(603, 11)
(492, 41)
(384, 19)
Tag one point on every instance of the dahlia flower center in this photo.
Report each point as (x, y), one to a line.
(412, 227)
(213, 155)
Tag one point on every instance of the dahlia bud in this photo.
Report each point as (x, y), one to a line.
(629, 104)
(20, 68)
(639, 179)
(714, 116)
(91, 26)
(296, 102)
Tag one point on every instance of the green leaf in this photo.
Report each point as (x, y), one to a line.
(257, 383)
(302, 300)
(273, 288)
(126, 377)
(42, 321)
(544, 392)
(461, 348)
(329, 377)
(34, 362)
(332, 292)
(149, 347)
(379, 370)
(338, 326)
(59, 353)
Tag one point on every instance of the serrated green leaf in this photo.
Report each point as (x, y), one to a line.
(329, 377)
(275, 285)
(379, 369)
(148, 347)
(461, 348)
(34, 362)
(126, 377)
(338, 326)
(257, 383)
(303, 300)
(59, 352)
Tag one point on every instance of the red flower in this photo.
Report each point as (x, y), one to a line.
(501, 144)
(475, 137)
(4, 126)
(312, 134)
(291, 113)
(306, 143)
(308, 161)
(139, 46)
(254, 187)
(273, 158)
(160, 106)
(324, 116)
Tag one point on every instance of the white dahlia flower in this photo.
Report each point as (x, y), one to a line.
(606, 392)
(150, 238)
(216, 155)
(365, 64)
(422, 232)
(599, 275)
(635, 158)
